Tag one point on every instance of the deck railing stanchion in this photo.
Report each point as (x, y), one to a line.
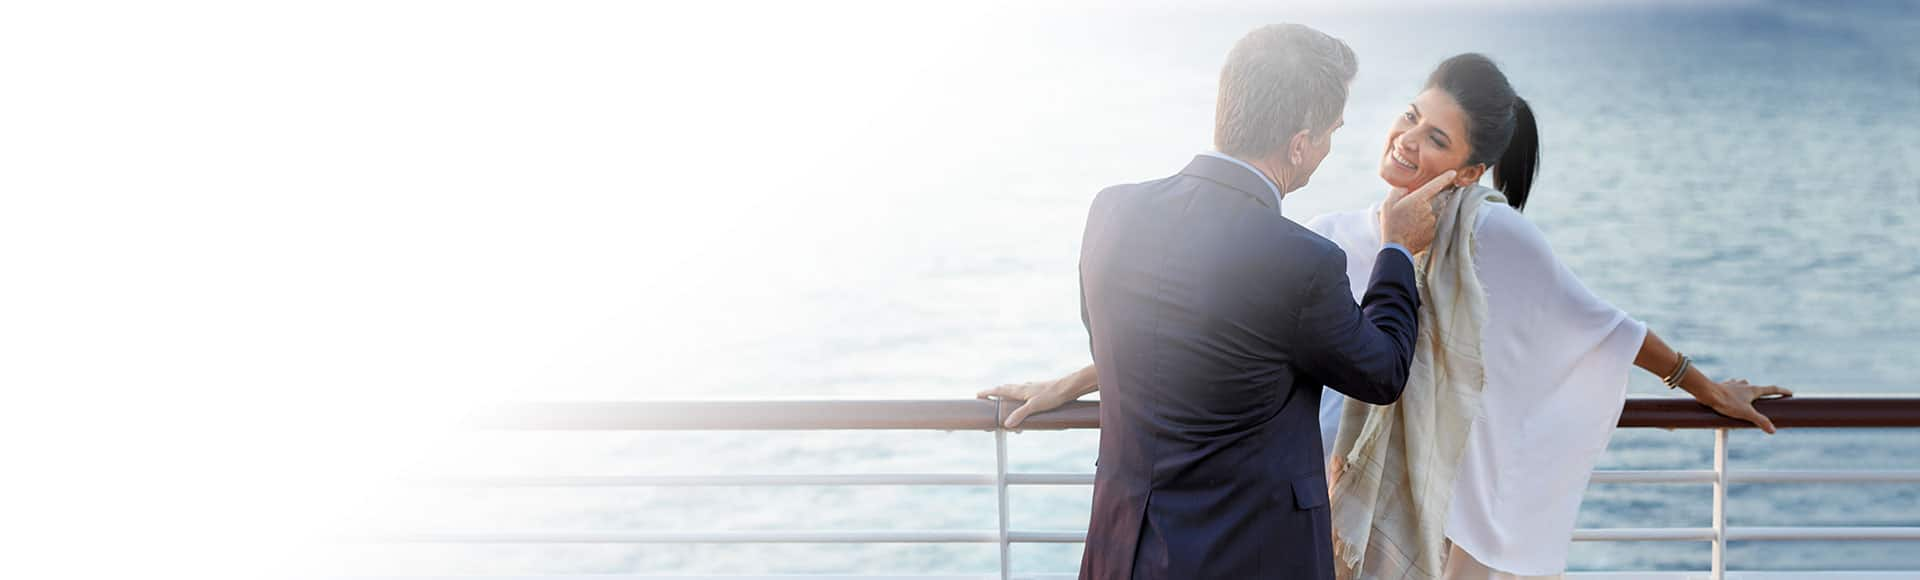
(1720, 503)
(1000, 490)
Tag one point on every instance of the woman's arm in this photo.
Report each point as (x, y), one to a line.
(1513, 254)
(1044, 395)
(1732, 398)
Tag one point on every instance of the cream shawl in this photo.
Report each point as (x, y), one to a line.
(1398, 462)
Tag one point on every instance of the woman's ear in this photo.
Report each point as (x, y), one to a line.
(1469, 175)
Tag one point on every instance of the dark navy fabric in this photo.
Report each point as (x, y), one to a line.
(1214, 322)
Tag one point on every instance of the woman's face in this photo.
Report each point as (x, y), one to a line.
(1429, 138)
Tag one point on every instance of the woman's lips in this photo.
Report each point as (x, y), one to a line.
(1394, 154)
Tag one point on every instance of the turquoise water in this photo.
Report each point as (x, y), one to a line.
(1744, 177)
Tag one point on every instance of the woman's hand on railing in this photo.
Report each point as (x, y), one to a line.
(1735, 399)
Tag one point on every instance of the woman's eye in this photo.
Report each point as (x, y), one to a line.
(1408, 116)
(1437, 142)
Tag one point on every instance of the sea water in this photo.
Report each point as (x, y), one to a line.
(1745, 178)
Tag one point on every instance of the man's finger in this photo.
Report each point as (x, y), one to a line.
(1771, 390)
(1018, 415)
(1002, 391)
(1394, 195)
(1432, 188)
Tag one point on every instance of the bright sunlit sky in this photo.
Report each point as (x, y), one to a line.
(246, 246)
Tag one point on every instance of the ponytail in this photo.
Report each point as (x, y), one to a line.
(1500, 128)
(1513, 174)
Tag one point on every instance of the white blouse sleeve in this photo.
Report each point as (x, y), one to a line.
(1534, 300)
(1557, 359)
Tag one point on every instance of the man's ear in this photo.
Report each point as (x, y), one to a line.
(1469, 176)
(1297, 148)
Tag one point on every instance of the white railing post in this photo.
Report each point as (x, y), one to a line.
(1719, 504)
(1000, 489)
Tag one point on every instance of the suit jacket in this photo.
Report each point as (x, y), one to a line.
(1215, 321)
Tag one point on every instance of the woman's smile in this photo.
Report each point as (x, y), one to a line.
(1394, 154)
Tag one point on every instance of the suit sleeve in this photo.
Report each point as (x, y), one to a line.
(1363, 351)
(1086, 321)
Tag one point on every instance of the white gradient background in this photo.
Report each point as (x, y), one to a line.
(255, 259)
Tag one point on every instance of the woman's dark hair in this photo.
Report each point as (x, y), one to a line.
(1500, 127)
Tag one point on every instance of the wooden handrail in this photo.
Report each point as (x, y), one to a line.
(977, 415)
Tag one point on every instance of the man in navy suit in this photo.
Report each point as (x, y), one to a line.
(1216, 320)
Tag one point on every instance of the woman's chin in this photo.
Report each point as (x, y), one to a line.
(1395, 177)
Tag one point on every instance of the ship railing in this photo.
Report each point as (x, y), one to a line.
(977, 415)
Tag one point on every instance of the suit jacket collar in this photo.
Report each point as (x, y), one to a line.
(1234, 176)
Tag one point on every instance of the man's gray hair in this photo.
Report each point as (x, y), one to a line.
(1279, 80)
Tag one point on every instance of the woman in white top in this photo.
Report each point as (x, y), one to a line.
(1555, 356)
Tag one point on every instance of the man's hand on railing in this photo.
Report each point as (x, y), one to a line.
(1043, 395)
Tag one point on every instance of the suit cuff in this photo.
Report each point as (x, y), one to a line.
(1402, 249)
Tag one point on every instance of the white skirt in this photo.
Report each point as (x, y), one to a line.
(1462, 566)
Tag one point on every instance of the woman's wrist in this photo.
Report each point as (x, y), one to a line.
(1703, 388)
